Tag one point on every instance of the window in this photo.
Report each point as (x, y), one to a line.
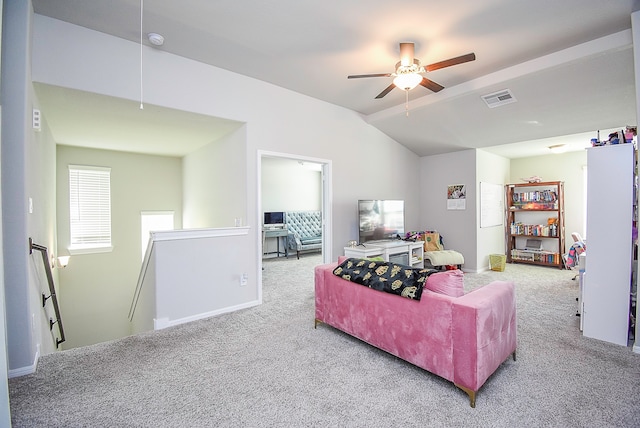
(90, 209)
(152, 221)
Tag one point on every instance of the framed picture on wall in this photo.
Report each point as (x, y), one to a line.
(456, 197)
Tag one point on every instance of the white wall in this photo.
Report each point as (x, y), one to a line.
(370, 166)
(461, 228)
(5, 416)
(490, 169)
(567, 167)
(41, 189)
(215, 183)
(635, 26)
(15, 104)
(96, 289)
(27, 171)
(366, 163)
(277, 120)
(458, 227)
(463, 168)
(289, 186)
(208, 281)
(462, 232)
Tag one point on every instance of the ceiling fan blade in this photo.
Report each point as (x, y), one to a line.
(359, 76)
(450, 62)
(407, 51)
(430, 84)
(386, 91)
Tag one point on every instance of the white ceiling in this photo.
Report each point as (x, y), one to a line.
(569, 64)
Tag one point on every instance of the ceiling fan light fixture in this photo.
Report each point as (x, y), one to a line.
(408, 71)
(407, 81)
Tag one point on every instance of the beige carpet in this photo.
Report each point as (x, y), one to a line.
(268, 367)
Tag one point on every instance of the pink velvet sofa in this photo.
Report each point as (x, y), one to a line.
(462, 339)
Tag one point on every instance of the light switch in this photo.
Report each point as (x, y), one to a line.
(36, 119)
(30, 205)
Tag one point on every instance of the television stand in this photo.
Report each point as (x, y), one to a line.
(395, 251)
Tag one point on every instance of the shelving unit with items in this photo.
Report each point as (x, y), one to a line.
(535, 223)
(417, 256)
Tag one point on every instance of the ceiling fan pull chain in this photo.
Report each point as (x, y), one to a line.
(406, 103)
(141, 56)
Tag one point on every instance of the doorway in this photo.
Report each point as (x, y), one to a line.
(289, 197)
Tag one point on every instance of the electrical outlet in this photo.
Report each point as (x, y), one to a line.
(244, 279)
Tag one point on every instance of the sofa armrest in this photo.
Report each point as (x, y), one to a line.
(293, 241)
(484, 332)
(320, 272)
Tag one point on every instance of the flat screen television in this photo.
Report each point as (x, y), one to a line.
(274, 218)
(380, 219)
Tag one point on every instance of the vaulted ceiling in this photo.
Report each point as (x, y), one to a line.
(569, 64)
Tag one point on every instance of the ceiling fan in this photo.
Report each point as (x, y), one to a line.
(409, 72)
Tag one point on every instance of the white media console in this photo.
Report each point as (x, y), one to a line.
(401, 252)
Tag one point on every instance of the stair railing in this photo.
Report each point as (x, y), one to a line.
(141, 277)
(52, 290)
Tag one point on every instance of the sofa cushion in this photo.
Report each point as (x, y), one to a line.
(450, 282)
(311, 240)
(384, 276)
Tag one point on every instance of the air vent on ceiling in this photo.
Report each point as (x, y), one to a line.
(499, 98)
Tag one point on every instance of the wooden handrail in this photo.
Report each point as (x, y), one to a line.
(52, 290)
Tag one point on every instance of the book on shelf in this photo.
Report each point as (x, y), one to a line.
(547, 195)
(535, 256)
(550, 230)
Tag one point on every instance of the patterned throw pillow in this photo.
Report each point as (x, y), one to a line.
(392, 278)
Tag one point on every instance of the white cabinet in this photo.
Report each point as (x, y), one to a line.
(607, 278)
(401, 252)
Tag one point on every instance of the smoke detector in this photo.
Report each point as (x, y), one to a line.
(499, 98)
(155, 39)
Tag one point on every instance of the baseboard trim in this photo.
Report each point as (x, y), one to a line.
(162, 323)
(22, 371)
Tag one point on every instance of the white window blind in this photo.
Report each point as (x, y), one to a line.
(90, 207)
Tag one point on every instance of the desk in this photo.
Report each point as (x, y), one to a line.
(276, 233)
